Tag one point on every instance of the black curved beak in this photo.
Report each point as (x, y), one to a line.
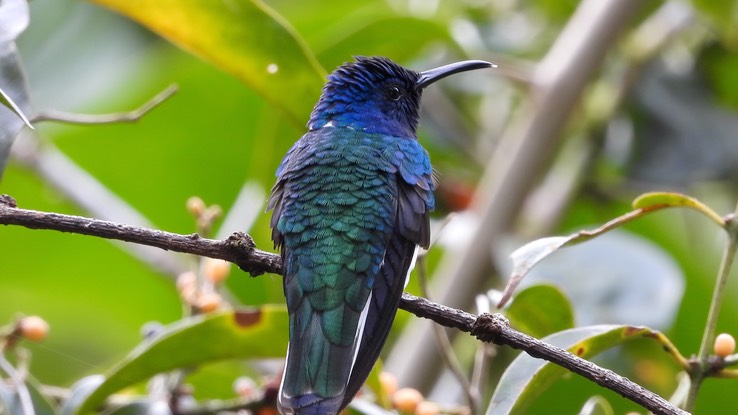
(433, 75)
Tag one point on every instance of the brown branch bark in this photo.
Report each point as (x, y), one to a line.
(239, 248)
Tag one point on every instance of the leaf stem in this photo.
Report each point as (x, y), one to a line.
(117, 117)
(699, 371)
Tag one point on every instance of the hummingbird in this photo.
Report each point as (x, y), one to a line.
(349, 209)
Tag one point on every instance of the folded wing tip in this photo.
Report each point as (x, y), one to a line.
(309, 404)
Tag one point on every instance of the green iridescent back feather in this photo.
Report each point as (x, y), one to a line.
(336, 207)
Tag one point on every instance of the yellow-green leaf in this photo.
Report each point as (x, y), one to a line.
(662, 199)
(246, 334)
(243, 37)
(540, 310)
(526, 378)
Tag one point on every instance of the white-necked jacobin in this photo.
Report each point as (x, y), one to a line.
(350, 207)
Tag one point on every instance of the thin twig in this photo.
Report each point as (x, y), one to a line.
(240, 249)
(702, 369)
(116, 117)
(484, 354)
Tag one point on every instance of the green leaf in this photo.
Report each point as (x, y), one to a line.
(8, 102)
(658, 200)
(618, 277)
(722, 13)
(526, 378)
(526, 257)
(20, 393)
(540, 310)
(42, 404)
(248, 334)
(597, 405)
(530, 254)
(80, 392)
(13, 86)
(243, 37)
(368, 34)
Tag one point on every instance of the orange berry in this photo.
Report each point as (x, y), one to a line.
(427, 408)
(195, 206)
(406, 400)
(208, 302)
(388, 382)
(724, 345)
(267, 410)
(216, 270)
(33, 328)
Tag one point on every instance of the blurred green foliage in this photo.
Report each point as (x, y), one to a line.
(217, 133)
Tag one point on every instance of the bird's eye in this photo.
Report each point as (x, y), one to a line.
(394, 93)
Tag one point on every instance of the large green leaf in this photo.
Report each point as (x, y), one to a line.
(540, 310)
(397, 37)
(526, 377)
(255, 333)
(243, 37)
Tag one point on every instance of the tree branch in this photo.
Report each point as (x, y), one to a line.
(239, 248)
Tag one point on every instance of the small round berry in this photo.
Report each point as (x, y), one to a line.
(388, 382)
(427, 408)
(186, 280)
(187, 285)
(195, 206)
(208, 302)
(724, 345)
(406, 400)
(33, 328)
(216, 270)
(245, 387)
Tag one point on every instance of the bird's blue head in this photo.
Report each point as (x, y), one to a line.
(376, 95)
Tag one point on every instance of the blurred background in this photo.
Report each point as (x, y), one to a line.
(592, 104)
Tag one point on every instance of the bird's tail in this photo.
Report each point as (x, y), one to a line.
(309, 404)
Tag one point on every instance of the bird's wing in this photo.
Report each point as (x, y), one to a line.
(334, 209)
(388, 287)
(414, 202)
